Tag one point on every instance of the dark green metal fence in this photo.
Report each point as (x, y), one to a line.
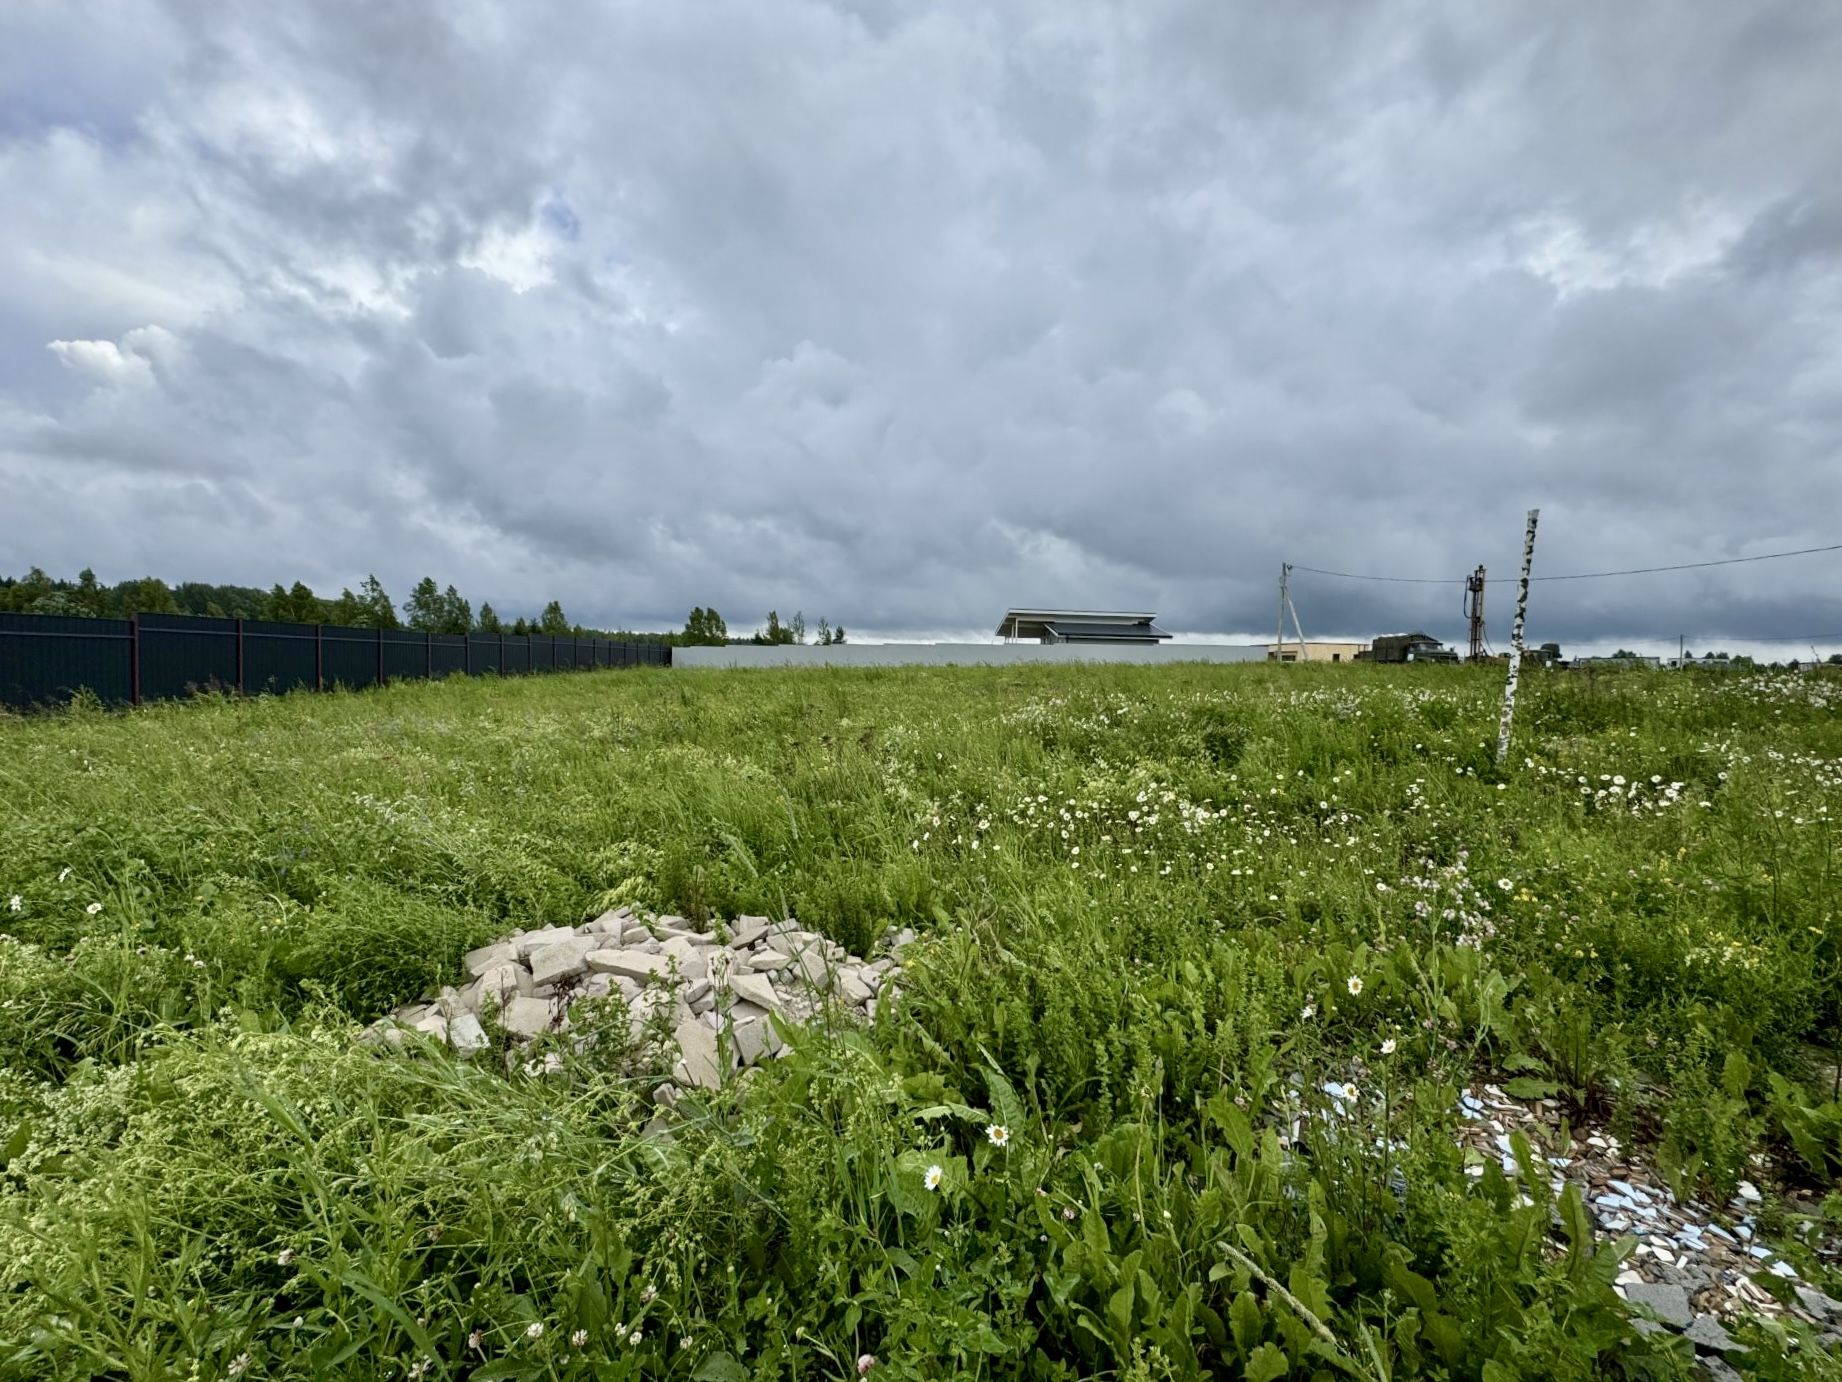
(46, 659)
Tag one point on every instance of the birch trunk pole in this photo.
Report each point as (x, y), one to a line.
(1515, 639)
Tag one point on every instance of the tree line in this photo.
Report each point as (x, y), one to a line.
(430, 608)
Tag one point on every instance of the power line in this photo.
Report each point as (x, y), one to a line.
(1689, 565)
(1395, 580)
(1577, 575)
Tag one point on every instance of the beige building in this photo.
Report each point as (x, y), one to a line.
(1314, 652)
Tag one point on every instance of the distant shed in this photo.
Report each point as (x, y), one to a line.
(1080, 626)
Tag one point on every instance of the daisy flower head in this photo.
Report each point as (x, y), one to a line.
(1355, 986)
(1504, 884)
(997, 1134)
(1349, 1091)
(1387, 1047)
(93, 908)
(932, 1179)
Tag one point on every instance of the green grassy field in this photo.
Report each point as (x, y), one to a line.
(1161, 910)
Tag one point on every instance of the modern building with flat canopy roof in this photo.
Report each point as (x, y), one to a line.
(1080, 626)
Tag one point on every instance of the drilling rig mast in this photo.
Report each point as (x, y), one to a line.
(1474, 610)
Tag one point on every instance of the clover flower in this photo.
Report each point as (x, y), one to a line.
(579, 1338)
(534, 1330)
(864, 1363)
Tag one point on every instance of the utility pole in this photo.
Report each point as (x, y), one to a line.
(1515, 639)
(1474, 611)
(1279, 625)
(1681, 651)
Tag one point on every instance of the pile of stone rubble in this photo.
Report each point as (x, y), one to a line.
(712, 989)
(1692, 1268)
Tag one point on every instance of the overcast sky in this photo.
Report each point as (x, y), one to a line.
(902, 313)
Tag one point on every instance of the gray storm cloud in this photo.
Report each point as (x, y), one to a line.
(902, 314)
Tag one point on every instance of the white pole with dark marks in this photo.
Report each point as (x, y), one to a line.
(1515, 638)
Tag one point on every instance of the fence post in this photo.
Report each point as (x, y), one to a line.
(467, 653)
(134, 659)
(503, 669)
(380, 655)
(319, 657)
(240, 690)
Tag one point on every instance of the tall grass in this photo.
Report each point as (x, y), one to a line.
(1133, 885)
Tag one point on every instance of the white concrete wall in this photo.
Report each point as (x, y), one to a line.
(957, 654)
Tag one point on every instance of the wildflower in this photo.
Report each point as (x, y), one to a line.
(1068, 1213)
(299, 1320)
(284, 1257)
(997, 1134)
(932, 1179)
(64, 873)
(864, 1363)
(633, 1339)
(1349, 1091)
(649, 1295)
(1309, 1011)
(579, 1338)
(1355, 986)
(476, 1340)
(15, 903)
(534, 1330)
(238, 1365)
(1387, 1047)
(1505, 884)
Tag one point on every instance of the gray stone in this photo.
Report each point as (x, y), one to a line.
(755, 988)
(749, 1040)
(1669, 1304)
(665, 1096)
(432, 1023)
(1716, 1370)
(747, 931)
(697, 1044)
(490, 957)
(531, 941)
(747, 1012)
(852, 989)
(811, 966)
(630, 963)
(450, 1002)
(596, 986)
(1822, 1306)
(466, 1035)
(607, 924)
(766, 961)
(691, 962)
(527, 1017)
(564, 960)
(705, 1002)
(696, 991)
(1708, 1336)
(496, 987)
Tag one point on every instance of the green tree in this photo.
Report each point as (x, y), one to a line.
(553, 621)
(489, 621)
(149, 595)
(89, 593)
(379, 612)
(423, 609)
(456, 613)
(347, 611)
(824, 633)
(796, 628)
(837, 634)
(520, 628)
